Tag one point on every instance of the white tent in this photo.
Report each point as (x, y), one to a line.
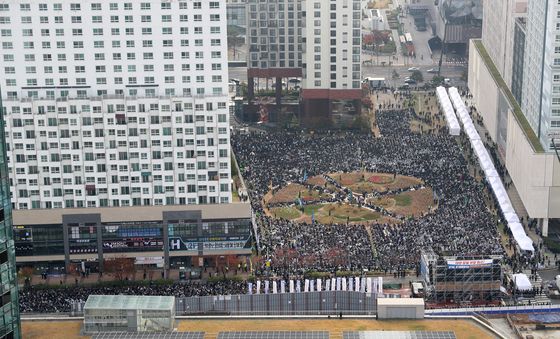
(522, 282)
(448, 111)
(511, 217)
(485, 161)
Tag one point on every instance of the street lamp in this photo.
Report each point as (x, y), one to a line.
(442, 45)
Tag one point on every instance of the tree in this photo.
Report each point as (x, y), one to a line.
(25, 274)
(437, 80)
(465, 75)
(417, 76)
(119, 267)
(235, 38)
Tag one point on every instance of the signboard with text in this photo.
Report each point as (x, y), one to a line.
(466, 264)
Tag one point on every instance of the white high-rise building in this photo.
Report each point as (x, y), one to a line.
(541, 72)
(115, 103)
(331, 58)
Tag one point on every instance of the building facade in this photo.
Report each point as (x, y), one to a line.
(514, 90)
(237, 12)
(163, 236)
(319, 41)
(332, 65)
(9, 320)
(541, 80)
(115, 103)
(274, 42)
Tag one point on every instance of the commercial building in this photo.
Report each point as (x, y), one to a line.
(9, 320)
(460, 279)
(319, 41)
(129, 313)
(457, 21)
(115, 103)
(511, 78)
(163, 236)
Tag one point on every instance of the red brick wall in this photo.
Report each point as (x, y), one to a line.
(274, 72)
(332, 94)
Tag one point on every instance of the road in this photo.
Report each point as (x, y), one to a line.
(453, 72)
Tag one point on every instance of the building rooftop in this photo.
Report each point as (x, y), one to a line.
(129, 302)
(133, 213)
(400, 301)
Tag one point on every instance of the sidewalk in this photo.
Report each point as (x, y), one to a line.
(94, 278)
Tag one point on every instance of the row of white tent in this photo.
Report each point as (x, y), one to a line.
(447, 107)
(372, 285)
(517, 230)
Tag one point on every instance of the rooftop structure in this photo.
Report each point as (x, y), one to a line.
(129, 313)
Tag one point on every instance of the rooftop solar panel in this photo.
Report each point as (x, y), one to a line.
(274, 335)
(399, 335)
(137, 335)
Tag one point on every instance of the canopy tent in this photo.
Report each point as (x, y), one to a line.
(522, 282)
(448, 111)
(511, 217)
(523, 241)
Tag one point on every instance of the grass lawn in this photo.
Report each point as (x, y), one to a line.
(403, 200)
(289, 213)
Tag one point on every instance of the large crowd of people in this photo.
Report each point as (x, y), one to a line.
(55, 300)
(461, 224)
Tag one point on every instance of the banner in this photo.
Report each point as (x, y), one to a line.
(258, 287)
(363, 285)
(344, 284)
(351, 284)
(369, 285)
(319, 285)
(250, 288)
(266, 285)
(380, 285)
(357, 285)
(306, 286)
(338, 283)
(328, 285)
(282, 286)
(292, 290)
(298, 286)
(333, 284)
(274, 287)
(466, 264)
(311, 285)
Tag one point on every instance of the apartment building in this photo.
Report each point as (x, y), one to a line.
(331, 58)
(10, 320)
(115, 103)
(274, 39)
(318, 41)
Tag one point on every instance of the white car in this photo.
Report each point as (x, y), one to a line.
(432, 70)
(412, 69)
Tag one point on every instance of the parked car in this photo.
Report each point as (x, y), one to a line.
(412, 69)
(410, 81)
(432, 70)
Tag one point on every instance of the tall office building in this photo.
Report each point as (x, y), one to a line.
(514, 76)
(331, 66)
(115, 103)
(541, 72)
(9, 322)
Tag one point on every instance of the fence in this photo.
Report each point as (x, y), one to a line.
(307, 303)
